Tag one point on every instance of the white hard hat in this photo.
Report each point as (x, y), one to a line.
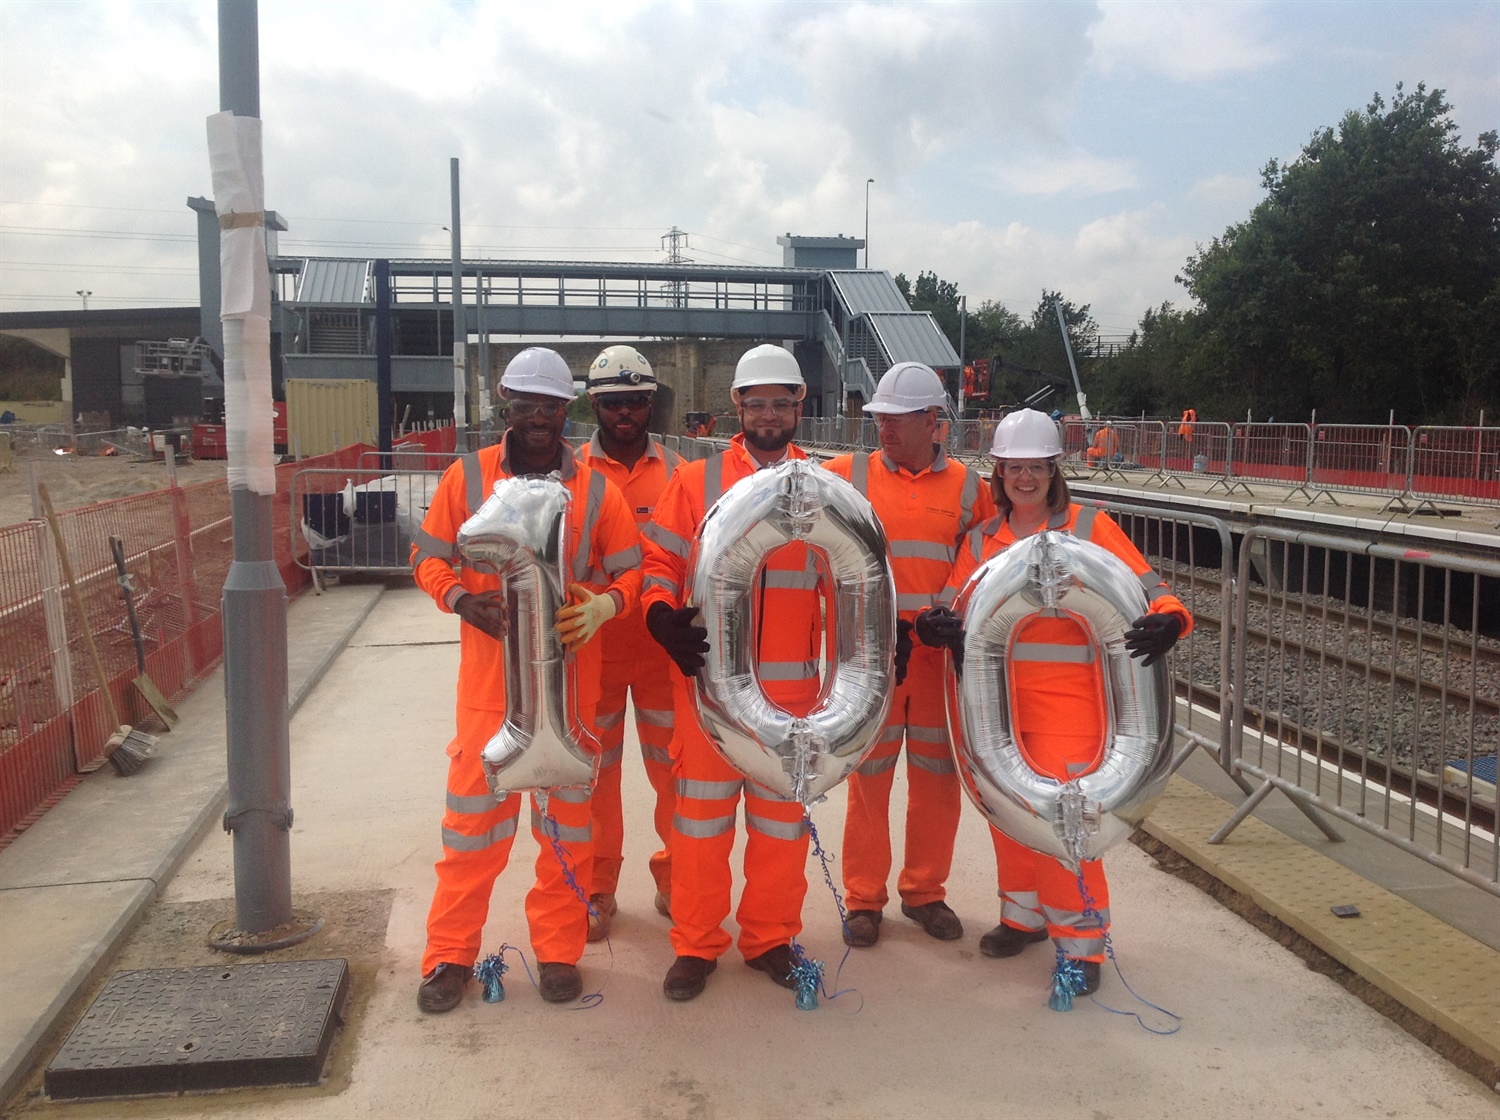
(538, 370)
(620, 369)
(768, 364)
(908, 387)
(1026, 434)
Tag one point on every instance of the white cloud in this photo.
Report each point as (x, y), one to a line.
(1184, 41)
(1076, 173)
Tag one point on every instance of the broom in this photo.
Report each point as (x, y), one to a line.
(127, 749)
(143, 683)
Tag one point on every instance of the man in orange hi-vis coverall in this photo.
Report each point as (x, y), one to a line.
(927, 503)
(767, 391)
(603, 552)
(1057, 687)
(622, 387)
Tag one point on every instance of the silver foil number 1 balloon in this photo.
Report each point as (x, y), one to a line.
(521, 534)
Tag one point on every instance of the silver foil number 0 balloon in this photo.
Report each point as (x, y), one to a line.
(796, 757)
(1054, 573)
(520, 534)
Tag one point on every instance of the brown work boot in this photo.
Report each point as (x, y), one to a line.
(937, 919)
(687, 977)
(559, 983)
(602, 907)
(663, 902)
(862, 928)
(443, 988)
(777, 964)
(1007, 941)
(1090, 978)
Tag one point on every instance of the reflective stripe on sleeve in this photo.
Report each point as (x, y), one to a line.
(912, 602)
(666, 585)
(664, 537)
(623, 561)
(430, 547)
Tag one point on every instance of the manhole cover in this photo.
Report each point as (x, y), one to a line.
(171, 1030)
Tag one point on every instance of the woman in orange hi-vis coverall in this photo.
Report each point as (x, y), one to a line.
(767, 390)
(622, 386)
(927, 504)
(1052, 670)
(603, 552)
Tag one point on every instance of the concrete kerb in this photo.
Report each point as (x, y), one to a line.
(48, 869)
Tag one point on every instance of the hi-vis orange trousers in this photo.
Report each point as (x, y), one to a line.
(477, 839)
(933, 799)
(1038, 892)
(776, 838)
(647, 676)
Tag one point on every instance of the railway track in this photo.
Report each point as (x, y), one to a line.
(1446, 650)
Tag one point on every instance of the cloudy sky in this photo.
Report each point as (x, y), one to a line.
(1086, 147)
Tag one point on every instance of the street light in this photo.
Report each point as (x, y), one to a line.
(867, 221)
(84, 295)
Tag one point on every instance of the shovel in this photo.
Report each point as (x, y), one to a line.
(143, 684)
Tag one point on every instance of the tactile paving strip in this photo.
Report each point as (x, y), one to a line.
(1436, 971)
(172, 1030)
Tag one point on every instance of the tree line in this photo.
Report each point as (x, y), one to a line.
(1366, 281)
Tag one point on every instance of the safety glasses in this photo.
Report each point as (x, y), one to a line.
(521, 410)
(623, 402)
(759, 406)
(1014, 469)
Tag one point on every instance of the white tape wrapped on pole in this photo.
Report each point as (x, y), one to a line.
(234, 154)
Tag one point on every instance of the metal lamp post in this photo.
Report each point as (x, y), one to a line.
(868, 182)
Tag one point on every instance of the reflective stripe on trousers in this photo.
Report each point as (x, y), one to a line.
(933, 800)
(649, 684)
(776, 839)
(477, 839)
(1025, 874)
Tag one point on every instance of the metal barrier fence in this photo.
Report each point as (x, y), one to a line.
(1368, 458)
(1455, 464)
(178, 542)
(1366, 691)
(1271, 453)
(1194, 554)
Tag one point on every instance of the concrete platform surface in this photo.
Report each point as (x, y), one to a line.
(923, 1028)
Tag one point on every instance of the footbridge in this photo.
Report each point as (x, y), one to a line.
(846, 326)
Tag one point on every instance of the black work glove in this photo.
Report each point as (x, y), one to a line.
(483, 610)
(903, 648)
(940, 628)
(1152, 635)
(674, 630)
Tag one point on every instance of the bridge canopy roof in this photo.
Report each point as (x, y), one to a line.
(915, 337)
(865, 292)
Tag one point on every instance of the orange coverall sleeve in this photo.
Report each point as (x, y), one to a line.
(668, 537)
(1107, 534)
(434, 554)
(617, 547)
